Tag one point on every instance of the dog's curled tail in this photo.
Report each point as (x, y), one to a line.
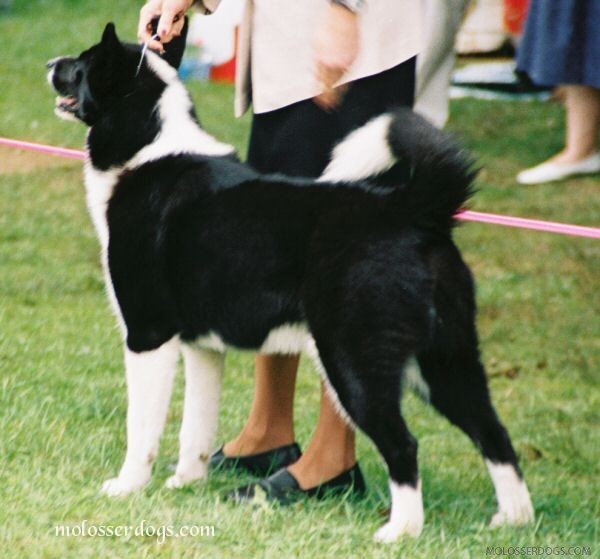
(441, 173)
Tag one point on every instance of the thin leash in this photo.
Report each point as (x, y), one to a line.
(144, 51)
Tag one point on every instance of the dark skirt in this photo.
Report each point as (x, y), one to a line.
(297, 140)
(561, 44)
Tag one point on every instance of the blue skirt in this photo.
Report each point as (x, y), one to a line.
(561, 43)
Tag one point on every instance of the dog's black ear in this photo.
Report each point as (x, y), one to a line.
(109, 36)
(175, 47)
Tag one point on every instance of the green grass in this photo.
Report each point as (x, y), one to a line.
(62, 396)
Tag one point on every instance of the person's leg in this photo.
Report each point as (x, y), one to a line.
(271, 421)
(580, 154)
(270, 425)
(582, 104)
(331, 450)
(274, 148)
(583, 120)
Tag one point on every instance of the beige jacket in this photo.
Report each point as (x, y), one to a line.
(275, 59)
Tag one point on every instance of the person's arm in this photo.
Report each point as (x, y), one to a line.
(171, 20)
(336, 48)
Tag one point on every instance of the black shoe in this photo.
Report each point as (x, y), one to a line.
(261, 464)
(283, 487)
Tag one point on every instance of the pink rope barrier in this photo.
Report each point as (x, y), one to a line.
(534, 224)
(42, 148)
(467, 215)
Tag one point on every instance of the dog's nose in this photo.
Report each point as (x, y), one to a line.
(51, 63)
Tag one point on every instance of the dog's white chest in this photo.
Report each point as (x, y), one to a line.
(99, 187)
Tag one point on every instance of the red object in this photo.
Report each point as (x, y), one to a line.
(226, 72)
(223, 72)
(515, 14)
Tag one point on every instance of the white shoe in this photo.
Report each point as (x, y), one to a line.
(548, 172)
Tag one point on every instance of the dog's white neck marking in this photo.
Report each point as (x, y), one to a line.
(179, 133)
(161, 68)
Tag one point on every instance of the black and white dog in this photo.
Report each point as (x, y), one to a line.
(202, 253)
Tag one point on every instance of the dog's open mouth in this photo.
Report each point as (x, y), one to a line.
(67, 104)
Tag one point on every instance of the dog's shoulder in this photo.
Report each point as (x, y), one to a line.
(159, 186)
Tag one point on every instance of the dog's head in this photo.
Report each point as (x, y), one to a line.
(102, 75)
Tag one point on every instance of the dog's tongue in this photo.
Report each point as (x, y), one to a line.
(65, 101)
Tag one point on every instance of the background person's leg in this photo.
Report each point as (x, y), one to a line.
(580, 155)
(271, 420)
(583, 118)
(331, 450)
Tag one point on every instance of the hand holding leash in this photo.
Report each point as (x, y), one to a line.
(170, 24)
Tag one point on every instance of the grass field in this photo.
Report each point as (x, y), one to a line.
(62, 397)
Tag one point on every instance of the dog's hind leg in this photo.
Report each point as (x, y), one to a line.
(367, 385)
(150, 377)
(457, 388)
(203, 379)
(368, 304)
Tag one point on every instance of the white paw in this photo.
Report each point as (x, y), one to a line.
(121, 487)
(175, 482)
(521, 513)
(393, 531)
(514, 502)
(407, 516)
(198, 470)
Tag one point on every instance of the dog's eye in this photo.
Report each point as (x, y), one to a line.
(78, 76)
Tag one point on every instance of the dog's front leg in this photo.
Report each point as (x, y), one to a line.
(150, 377)
(203, 379)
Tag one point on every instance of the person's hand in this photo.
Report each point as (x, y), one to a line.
(171, 21)
(336, 48)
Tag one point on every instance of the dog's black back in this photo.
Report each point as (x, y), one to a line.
(203, 245)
